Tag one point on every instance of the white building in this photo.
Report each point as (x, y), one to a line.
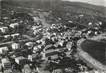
(20, 60)
(15, 46)
(6, 63)
(15, 35)
(3, 50)
(3, 29)
(13, 25)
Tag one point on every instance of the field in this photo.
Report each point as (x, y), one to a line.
(95, 49)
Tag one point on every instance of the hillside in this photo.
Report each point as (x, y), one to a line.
(66, 6)
(88, 9)
(31, 3)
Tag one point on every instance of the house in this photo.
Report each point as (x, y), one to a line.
(29, 43)
(6, 64)
(51, 53)
(35, 49)
(32, 57)
(15, 46)
(16, 35)
(36, 19)
(26, 69)
(90, 23)
(3, 50)
(69, 45)
(14, 25)
(21, 60)
(3, 29)
(7, 36)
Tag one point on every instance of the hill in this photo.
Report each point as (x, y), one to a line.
(84, 8)
(66, 6)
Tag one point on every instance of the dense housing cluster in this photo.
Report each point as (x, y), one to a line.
(41, 43)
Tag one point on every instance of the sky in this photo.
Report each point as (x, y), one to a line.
(95, 2)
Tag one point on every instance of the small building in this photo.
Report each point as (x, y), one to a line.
(90, 23)
(4, 30)
(32, 57)
(6, 64)
(36, 19)
(35, 49)
(3, 50)
(14, 25)
(16, 35)
(15, 46)
(7, 36)
(69, 45)
(21, 60)
(29, 44)
(26, 69)
(53, 54)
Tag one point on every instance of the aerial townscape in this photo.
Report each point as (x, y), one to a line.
(51, 41)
